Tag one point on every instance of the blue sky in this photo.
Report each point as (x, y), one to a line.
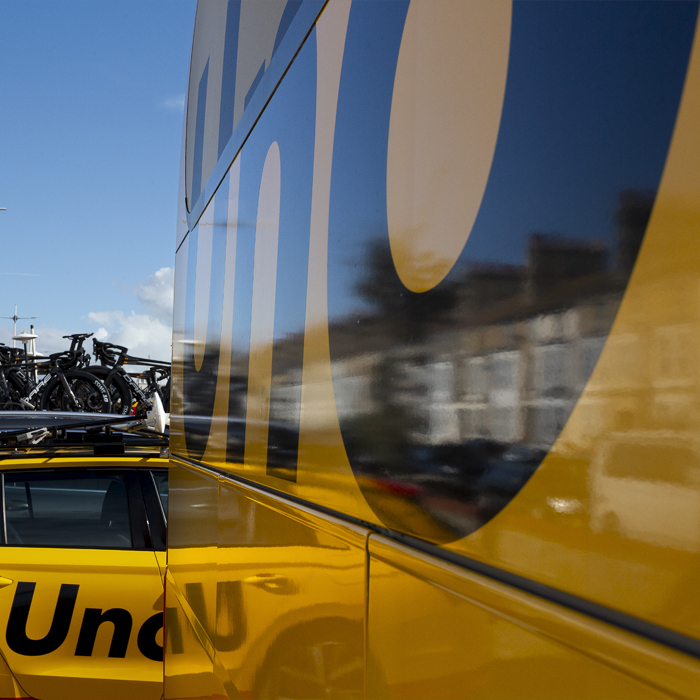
(91, 109)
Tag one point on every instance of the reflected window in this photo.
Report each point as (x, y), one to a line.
(161, 481)
(505, 371)
(478, 376)
(548, 421)
(505, 424)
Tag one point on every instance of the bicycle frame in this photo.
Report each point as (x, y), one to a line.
(37, 389)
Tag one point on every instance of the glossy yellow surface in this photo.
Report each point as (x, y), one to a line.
(83, 462)
(437, 631)
(613, 513)
(106, 579)
(324, 471)
(575, 378)
(564, 528)
(275, 607)
(466, 44)
(9, 688)
(281, 616)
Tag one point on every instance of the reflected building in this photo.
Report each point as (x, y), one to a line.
(453, 397)
(506, 362)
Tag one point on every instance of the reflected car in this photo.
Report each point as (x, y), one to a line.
(82, 536)
(629, 500)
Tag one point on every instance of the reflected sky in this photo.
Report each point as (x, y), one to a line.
(590, 102)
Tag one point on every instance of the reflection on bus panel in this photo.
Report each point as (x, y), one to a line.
(435, 390)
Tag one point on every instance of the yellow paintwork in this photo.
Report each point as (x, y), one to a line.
(644, 392)
(9, 688)
(434, 630)
(324, 473)
(107, 579)
(81, 462)
(612, 514)
(571, 552)
(126, 579)
(162, 559)
(437, 631)
(278, 583)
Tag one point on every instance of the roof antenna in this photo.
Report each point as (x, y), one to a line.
(16, 318)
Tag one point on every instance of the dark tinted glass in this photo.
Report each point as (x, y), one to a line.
(76, 509)
(161, 479)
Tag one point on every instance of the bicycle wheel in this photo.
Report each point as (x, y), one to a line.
(90, 393)
(10, 401)
(119, 391)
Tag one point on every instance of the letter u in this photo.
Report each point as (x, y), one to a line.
(16, 634)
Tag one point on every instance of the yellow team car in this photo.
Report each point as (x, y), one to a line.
(82, 560)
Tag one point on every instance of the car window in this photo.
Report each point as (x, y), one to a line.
(75, 509)
(161, 479)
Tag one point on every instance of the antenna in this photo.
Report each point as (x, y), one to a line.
(16, 318)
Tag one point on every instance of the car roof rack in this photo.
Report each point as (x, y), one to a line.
(56, 434)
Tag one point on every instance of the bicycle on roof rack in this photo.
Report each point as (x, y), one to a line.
(62, 388)
(71, 383)
(12, 378)
(126, 394)
(157, 382)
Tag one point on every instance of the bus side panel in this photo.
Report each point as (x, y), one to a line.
(436, 631)
(290, 598)
(282, 612)
(190, 597)
(319, 352)
(500, 365)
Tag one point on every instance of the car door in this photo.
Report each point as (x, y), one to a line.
(81, 596)
(154, 484)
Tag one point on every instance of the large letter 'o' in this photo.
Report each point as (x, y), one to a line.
(445, 115)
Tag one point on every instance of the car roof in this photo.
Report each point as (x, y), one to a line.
(78, 461)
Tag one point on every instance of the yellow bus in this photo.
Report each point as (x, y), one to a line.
(436, 390)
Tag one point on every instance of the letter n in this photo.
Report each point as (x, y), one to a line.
(93, 618)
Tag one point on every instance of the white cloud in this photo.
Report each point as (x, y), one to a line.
(157, 294)
(175, 103)
(145, 334)
(105, 318)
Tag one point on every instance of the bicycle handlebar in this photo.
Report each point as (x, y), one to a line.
(107, 353)
(65, 360)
